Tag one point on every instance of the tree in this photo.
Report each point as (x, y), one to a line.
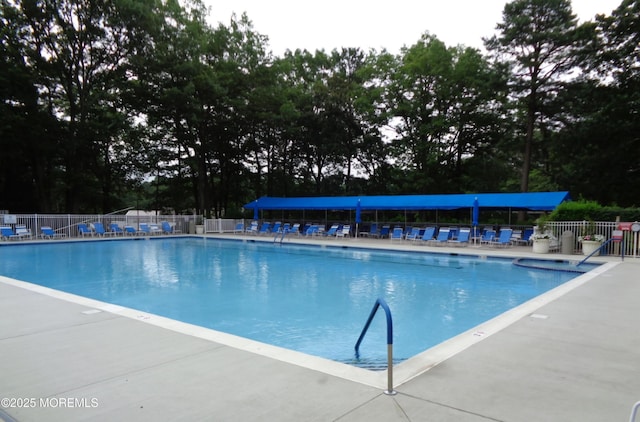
(596, 153)
(444, 108)
(539, 39)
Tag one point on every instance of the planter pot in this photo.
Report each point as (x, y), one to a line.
(541, 245)
(588, 246)
(199, 229)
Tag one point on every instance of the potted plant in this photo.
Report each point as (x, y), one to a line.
(541, 237)
(591, 241)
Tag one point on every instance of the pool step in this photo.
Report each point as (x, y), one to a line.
(370, 364)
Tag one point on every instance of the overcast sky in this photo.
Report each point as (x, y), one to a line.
(329, 24)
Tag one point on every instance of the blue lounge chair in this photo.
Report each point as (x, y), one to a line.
(332, 230)
(150, 229)
(276, 227)
(8, 233)
(23, 232)
(84, 230)
(504, 239)
(428, 234)
(253, 227)
(312, 230)
(488, 236)
(116, 229)
(373, 231)
(453, 232)
(99, 229)
(168, 228)
(384, 232)
(48, 233)
(413, 235)
(239, 228)
(526, 236)
(516, 237)
(463, 237)
(396, 234)
(295, 229)
(345, 231)
(443, 236)
(264, 229)
(131, 231)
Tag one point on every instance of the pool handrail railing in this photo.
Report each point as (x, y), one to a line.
(381, 303)
(599, 249)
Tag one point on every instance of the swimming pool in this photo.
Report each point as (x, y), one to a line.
(306, 298)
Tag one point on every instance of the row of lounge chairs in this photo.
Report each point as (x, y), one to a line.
(457, 236)
(430, 235)
(21, 233)
(144, 229)
(266, 228)
(89, 230)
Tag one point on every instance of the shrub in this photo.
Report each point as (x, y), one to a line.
(591, 210)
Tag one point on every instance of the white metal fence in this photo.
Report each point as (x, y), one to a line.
(67, 224)
(630, 243)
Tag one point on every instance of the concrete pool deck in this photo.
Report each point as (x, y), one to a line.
(574, 357)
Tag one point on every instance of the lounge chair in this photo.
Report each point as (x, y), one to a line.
(116, 229)
(150, 229)
(396, 234)
(504, 239)
(453, 232)
(167, 228)
(488, 236)
(428, 234)
(332, 230)
(84, 230)
(443, 236)
(99, 229)
(413, 235)
(526, 236)
(345, 231)
(295, 229)
(373, 231)
(253, 227)
(312, 230)
(264, 229)
(239, 228)
(463, 237)
(384, 232)
(48, 233)
(276, 227)
(23, 232)
(8, 233)
(131, 231)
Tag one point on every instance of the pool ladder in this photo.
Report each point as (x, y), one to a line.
(380, 303)
(281, 235)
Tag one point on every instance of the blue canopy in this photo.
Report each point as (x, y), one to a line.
(534, 201)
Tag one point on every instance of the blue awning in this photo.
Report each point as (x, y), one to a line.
(534, 201)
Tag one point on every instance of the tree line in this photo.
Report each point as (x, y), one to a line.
(144, 103)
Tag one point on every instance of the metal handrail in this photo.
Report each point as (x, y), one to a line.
(595, 252)
(634, 411)
(381, 303)
(281, 234)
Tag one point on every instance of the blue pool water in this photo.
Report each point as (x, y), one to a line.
(311, 299)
